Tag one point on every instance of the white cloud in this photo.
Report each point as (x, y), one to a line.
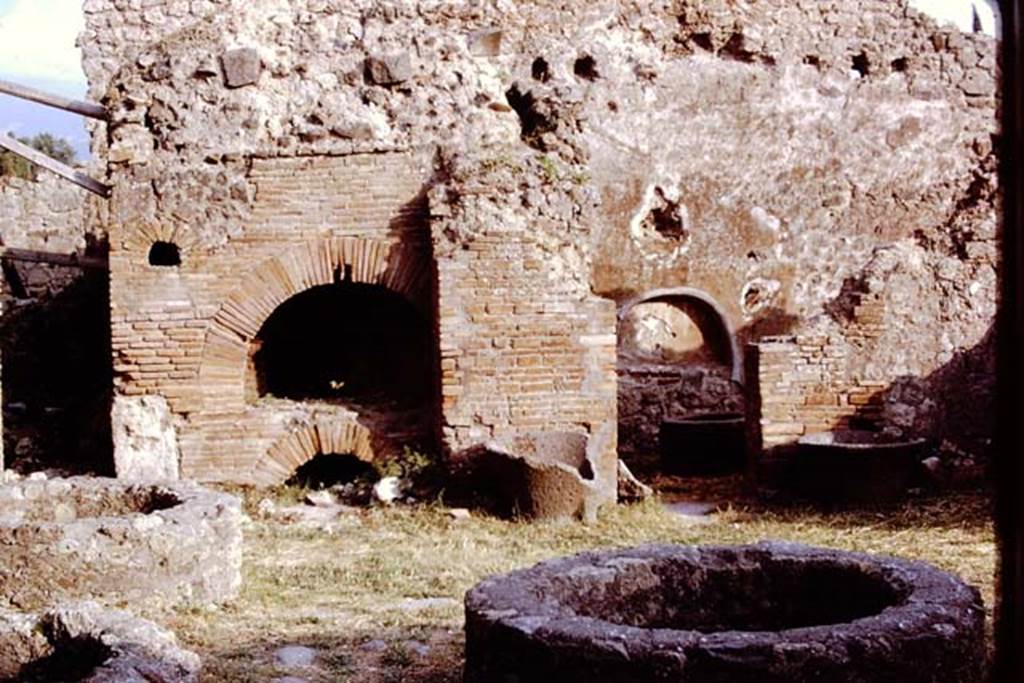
(958, 12)
(37, 40)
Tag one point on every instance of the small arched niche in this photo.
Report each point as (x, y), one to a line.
(164, 254)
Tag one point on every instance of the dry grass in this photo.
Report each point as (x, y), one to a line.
(350, 589)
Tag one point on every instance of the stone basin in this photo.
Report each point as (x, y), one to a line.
(855, 466)
(703, 443)
(766, 613)
(554, 475)
(89, 538)
(88, 643)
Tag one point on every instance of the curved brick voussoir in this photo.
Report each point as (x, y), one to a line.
(105, 539)
(766, 613)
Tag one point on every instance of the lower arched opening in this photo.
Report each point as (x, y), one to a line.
(325, 470)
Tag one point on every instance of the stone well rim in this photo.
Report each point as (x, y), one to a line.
(927, 598)
(193, 502)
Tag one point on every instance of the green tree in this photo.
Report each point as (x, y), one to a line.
(50, 145)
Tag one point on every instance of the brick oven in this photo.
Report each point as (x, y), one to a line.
(326, 326)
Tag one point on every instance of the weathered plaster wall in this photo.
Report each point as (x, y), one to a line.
(760, 152)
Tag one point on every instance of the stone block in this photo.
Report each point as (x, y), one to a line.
(388, 69)
(242, 67)
(145, 439)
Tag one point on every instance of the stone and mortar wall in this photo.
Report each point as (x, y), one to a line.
(792, 168)
(760, 152)
(182, 333)
(651, 392)
(524, 345)
(869, 365)
(52, 215)
(300, 171)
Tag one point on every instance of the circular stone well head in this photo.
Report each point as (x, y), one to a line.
(768, 612)
(107, 539)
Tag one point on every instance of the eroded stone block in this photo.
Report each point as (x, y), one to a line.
(242, 67)
(388, 69)
(145, 440)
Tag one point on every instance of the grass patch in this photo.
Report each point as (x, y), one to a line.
(379, 592)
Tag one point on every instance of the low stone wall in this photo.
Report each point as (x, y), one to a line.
(99, 538)
(47, 214)
(651, 392)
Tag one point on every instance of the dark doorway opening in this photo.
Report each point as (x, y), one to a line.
(332, 469)
(346, 342)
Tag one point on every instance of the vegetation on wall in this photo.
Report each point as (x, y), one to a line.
(11, 165)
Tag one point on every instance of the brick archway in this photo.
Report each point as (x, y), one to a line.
(401, 268)
(306, 441)
(716, 317)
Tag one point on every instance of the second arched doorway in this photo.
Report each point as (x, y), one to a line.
(678, 356)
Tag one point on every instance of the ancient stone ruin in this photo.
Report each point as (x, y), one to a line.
(82, 641)
(341, 226)
(529, 237)
(69, 541)
(769, 612)
(351, 227)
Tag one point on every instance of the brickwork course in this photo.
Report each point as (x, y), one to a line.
(516, 172)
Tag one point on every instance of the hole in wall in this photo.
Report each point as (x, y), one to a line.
(703, 41)
(758, 294)
(900, 65)
(812, 60)
(331, 469)
(164, 254)
(666, 217)
(860, 64)
(534, 120)
(586, 68)
(540, 70)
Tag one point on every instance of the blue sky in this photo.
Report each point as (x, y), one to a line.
(37, 48)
